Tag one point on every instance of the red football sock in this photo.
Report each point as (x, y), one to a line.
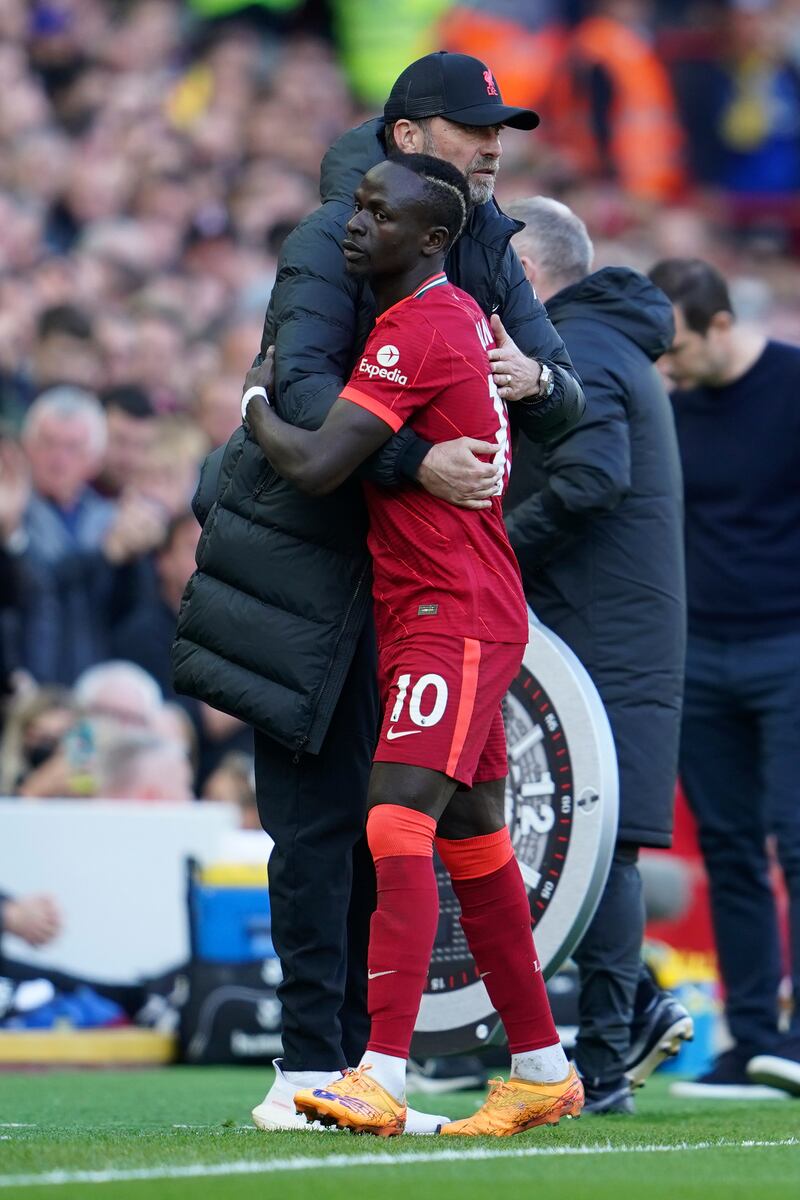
(496, 919)
(403, 926)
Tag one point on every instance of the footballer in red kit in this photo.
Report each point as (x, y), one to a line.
(452, 626)
(450, 612)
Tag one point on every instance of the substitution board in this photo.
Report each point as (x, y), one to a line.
(561, 809)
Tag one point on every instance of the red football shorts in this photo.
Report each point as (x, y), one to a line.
(441, 698)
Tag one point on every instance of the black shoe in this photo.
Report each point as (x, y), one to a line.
(727, 1080)
(657, 1033)
(781, 1069)
(455, 1074)
(611, 1098)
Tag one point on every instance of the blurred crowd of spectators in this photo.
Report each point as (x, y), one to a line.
(151, 164)
(148, 174)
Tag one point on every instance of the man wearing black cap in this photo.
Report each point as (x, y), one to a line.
(452, 102)
(276, 623)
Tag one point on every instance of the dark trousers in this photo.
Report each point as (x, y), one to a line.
(609, 967)
(321, 876)
(740, 766)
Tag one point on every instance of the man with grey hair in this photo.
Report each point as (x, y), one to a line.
(554, 245)
(67, 540)
(120, 691)
(64, 435)
(595, 520)
(62, 532)
(142, 766)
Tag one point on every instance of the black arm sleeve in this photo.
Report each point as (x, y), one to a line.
(399, 459)
(312, 320)
(207, 485)
(588, 473)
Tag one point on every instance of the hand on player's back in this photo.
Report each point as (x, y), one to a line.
(452, 471)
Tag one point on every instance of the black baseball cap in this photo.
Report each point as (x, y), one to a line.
(456, 86)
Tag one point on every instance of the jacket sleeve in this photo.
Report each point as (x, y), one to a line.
(588, 473)
(207, 485)
(525, 319)
(313, 319)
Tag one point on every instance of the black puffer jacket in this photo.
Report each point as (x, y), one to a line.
(596, 521)
(270, 618)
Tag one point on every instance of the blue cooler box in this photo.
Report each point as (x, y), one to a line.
(230, 915)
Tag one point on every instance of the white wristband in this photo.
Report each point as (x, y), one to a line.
(247, 397)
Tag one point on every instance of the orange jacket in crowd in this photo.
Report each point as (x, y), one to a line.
(551, 70)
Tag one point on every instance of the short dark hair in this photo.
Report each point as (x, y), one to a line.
(129, 398)
(446, 195)
(697, 287)
(64, 318)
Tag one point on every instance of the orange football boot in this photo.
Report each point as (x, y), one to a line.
(518, 1105)
(356, 1102)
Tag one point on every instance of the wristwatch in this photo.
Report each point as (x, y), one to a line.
(547, 382)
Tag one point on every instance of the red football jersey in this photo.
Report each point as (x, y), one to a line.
(437, 567)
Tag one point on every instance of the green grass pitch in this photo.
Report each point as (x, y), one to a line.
(86, 1134)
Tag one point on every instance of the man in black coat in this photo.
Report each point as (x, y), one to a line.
(275, 625)
(596, 522)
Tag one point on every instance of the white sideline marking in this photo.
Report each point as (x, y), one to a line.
(276, 1165)
(119, 1128)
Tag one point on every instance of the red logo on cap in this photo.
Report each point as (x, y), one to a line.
(491, 86)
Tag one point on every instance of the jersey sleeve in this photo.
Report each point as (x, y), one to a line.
(402, 369)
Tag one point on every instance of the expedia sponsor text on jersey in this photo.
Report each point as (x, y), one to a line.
(394, 376)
